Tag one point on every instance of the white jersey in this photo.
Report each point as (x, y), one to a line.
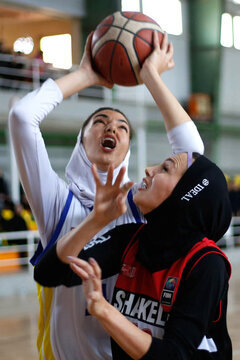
(66, 330)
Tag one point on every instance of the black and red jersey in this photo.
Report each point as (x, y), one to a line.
(183, 307)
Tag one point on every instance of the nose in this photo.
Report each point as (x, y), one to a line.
(149, 171)
(110, 128)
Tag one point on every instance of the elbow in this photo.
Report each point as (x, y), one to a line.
(201, 148)
(42, 279)
(195, 144)
(19, 120)
(48, 279)
(38, 278)
(15, 123)
(46, 282)
(17, 114)
(198, 144)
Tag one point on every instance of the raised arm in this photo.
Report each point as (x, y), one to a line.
(109, 204)
(41, 184)
(182, 132)
(128, 336)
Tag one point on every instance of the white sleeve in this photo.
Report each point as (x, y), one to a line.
(40, 182)
(185, 137)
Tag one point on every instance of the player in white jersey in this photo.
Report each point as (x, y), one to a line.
(66, 330)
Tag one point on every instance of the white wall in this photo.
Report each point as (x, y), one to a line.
(228, 147)
(230, 87)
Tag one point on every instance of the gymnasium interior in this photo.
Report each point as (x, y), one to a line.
(45, 39)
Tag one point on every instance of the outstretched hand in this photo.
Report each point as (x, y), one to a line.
(160, 59)
(90, 273)
(110, 199)
(86, 64)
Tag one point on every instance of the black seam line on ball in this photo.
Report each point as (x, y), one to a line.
(116, 42)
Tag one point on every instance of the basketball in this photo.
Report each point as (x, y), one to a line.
(121, 43)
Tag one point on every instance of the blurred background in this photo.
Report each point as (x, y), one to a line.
(45, 39)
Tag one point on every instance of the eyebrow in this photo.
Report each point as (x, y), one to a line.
(171, 160)
(103, 115)
(107, 117)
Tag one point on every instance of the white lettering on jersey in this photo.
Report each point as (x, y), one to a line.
(139, 307)
(96, 240)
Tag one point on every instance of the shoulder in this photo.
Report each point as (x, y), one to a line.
(208, 267)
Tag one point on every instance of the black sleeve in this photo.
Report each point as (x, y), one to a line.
(107, 250)
(195, 307)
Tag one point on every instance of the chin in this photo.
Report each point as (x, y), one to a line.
(135, 200)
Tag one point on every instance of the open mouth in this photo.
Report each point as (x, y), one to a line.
(143, 185)
(109, 143)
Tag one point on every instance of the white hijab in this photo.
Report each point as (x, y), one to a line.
(79, 174)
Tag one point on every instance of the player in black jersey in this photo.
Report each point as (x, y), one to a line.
(170, 298)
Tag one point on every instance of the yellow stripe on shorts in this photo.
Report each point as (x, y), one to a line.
(44, 339)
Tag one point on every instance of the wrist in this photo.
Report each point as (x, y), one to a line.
(104, 312)
(149, 74)
(100, 220)
(74, 82)
(84, 77)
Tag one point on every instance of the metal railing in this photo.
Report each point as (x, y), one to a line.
(14, 257)
(232, 236)
(25, 74)
(21, 73)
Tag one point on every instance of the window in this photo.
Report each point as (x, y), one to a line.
(130, 5)
(168, 14)
(226, 30)
(23, 45)
(230, 31)
(57, 50)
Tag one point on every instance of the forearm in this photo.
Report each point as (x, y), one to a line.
(73, 242)
(74, 82)
(172, 111)
(131, 339)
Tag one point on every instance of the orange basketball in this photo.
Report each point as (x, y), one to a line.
(121, 43)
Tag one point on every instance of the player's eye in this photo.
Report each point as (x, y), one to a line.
(124, 128)
(165, 167)
(98, 121)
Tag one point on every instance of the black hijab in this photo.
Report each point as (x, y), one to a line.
(198, 207)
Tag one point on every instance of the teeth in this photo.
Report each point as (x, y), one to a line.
(143, 185)
(109, 142)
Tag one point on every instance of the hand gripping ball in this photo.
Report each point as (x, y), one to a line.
(121, 43)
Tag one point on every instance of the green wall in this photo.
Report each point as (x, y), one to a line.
(96, 11)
